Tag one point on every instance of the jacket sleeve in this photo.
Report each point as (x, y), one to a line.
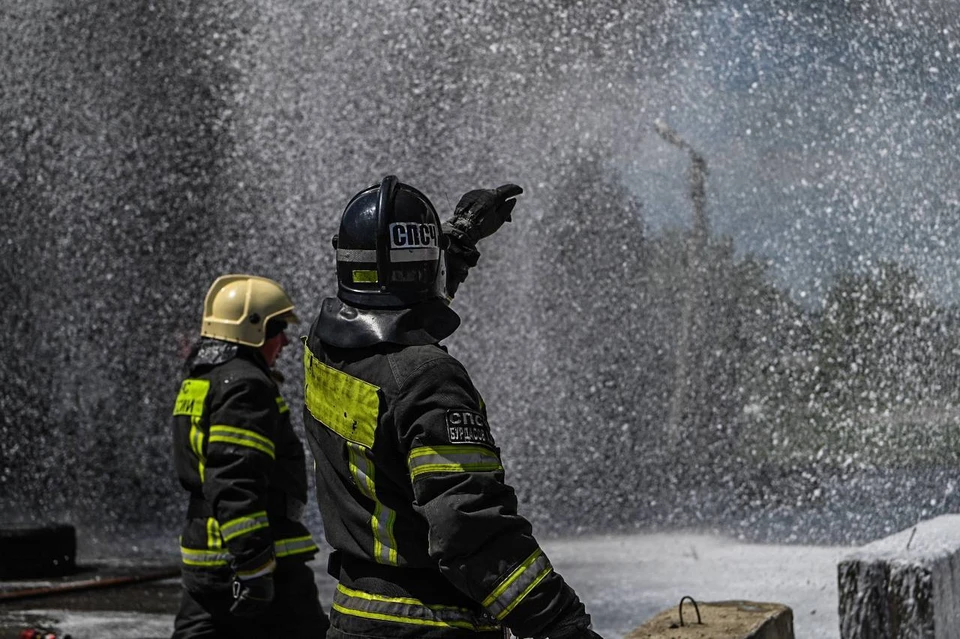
(482, 546)
(240, 454)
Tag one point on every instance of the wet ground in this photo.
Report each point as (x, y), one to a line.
(624, 580)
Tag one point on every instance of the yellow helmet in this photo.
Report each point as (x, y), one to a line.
(238, 307)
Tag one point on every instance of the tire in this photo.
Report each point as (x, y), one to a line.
(32, 551)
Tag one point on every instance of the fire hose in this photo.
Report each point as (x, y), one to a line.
(88, 584)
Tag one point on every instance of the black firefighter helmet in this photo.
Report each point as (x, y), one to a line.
(390, 248)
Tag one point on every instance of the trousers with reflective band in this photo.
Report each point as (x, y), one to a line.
(220, 557)
(406, 610)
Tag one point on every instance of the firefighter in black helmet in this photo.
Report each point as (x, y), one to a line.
(243, 546)
(427, 539)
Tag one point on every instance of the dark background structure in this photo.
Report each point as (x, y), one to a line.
(785, 370)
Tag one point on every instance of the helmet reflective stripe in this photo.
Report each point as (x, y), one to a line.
(414, 255)
(357, 603)
(356, 255)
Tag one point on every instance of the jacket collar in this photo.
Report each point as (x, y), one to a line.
(344, 326)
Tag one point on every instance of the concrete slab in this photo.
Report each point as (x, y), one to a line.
(904, 585)
(720, 620)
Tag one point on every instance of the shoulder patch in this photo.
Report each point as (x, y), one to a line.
(468, 427)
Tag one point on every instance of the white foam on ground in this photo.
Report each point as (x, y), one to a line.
(624, 581)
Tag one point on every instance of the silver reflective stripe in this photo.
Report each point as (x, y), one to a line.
(429, 254)
(517, 585)
(383, 518)
(281, 547)
(193, 557)
(357, 255)
(294, 546)
(356, 603)
(243, 525)
(457, 458)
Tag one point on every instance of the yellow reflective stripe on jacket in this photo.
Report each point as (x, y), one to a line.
(451, 459)
(244, 525)
(190, 403)
(241, 437)
(214, 540)
(210, 558)
(383, 518)
(357, 603)
(346, 405)
(294, 546)
(282, 548)
(196, 445)
(282, 405)
(518, 584)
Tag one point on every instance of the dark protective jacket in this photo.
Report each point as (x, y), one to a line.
(411, 487)
(241, 462)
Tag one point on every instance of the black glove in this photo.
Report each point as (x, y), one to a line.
(252, 596)
(481, 212)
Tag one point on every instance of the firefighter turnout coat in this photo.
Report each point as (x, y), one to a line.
(427, 539)
(238, 457)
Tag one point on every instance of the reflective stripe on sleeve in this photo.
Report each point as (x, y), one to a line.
(517, 585)
(209, 558)
(294, 546)
(244, 525)
(356, 603)
(451, 459)
(282, 405)
(241, 437)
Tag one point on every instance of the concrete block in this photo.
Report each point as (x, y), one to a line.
(905, 586)
(721, 620)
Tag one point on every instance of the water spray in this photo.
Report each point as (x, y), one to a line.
(688, 379)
